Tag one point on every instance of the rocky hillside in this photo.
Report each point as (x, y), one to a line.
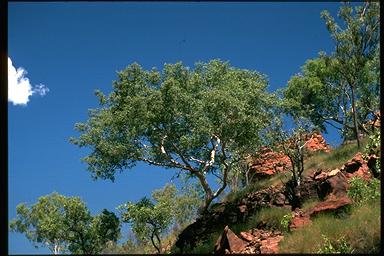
(326, 187)
(267, 162)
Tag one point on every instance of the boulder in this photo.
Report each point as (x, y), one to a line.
(270, 245)
(267, 162)
(299, 220)
(333, 186)
(357, 167)
(247, 236)
(328, 206)
(228, 240)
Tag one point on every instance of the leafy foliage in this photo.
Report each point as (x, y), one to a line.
(65, 224)
(360, 191)
(199, 121)
(292, 144)
(341, 89)
(152, 220)
(285, 220)
(340, 247)
(373, 148)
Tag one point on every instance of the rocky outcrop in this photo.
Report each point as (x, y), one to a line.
(316, 142)
(229, 242)
(267, 162)
(329, 186)
(301, 218)
(332, 188)
(329, 205)
(226, 213)
(357, 166)
(254, 241)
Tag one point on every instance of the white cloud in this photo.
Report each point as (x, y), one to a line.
(19, 87)
(40, 89)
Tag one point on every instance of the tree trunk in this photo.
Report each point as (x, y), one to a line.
(207, 190)
(356, 128)
(153, 242)
(159, 241)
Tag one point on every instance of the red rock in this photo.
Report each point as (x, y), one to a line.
(328, 206)
(229, 240)
(357, 166)
(267, 162)
(270, 245)
(243, 208)
(333, 187)
(316, 142)
(299, 221)
(246, 236)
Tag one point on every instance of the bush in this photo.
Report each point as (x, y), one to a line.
(373, 148)
(360, 191)
(284, 222)
(341, 246)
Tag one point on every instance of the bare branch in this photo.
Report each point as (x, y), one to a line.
(170, 158)
(223, 157)
(301, 147)
(217, 176)
(197, 160)
(213, 151)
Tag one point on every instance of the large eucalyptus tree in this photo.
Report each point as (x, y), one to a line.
(199, 121)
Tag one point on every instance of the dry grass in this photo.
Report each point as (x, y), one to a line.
(270, 216)
(334, 159)
(361, 231)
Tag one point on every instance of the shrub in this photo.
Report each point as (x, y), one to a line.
(284, 222)
(341, 246)
(373, 148)
(360, 191)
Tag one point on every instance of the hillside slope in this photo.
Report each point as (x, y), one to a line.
(259, 218)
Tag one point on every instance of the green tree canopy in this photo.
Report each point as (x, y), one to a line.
(151, 220)
(65, 224)
(199, 121)
(342, 89)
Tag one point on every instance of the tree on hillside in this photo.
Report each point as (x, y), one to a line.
(342, 89)
(151, 220)
(65, 224)
(292, 143)
(199, 121)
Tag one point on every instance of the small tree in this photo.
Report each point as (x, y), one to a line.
(292, 144)
(64, 224)
(357, 47)
(151, 220)
(199, 121)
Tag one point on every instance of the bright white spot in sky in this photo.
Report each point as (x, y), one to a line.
(19, 87)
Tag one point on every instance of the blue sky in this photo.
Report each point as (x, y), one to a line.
(75, 48)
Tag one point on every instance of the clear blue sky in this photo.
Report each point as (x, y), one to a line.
(74, 48)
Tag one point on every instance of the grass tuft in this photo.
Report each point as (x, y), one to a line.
(360, 231)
